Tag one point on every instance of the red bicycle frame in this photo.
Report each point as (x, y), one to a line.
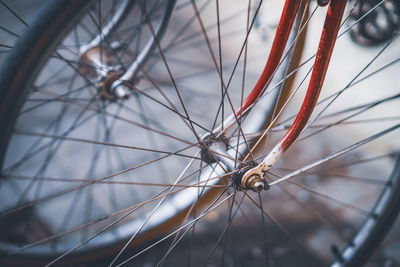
(325, 48)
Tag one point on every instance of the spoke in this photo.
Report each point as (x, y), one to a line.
(312, 211)
(107, 227)
(224, 245)
(176, 42)
(204, 32)
(84, 185)
(264, 233)
(171, 106)
(188, 225)
(151, 214)
(351, 122)
(33, 150)
(47, 101)
(242, 92)
(9, 31)
(200, 141)
(130, 209)
(332, 199)
(6, 46)
(353, 82)
(191, 212)
(282, 228)
(349, 84)
(89, 141)
(325, 174)
(224, 232)
(366, 108)
(87, 240)
(13, 12)
(361, 18)
(175, 243)
(96, 110)
(57, 137)
(53, 147)
(143, 8)
(220, 64)
(335, 155)
(362, 106)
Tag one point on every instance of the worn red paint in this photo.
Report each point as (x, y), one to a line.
(281, 36)
(325, 48)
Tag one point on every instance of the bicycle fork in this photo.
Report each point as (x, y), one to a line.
(329, 34)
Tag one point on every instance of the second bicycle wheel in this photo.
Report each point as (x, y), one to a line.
(88, 175)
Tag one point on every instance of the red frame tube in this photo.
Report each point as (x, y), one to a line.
(324, 53)
(281, 36)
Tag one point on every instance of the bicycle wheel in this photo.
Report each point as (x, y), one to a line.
(88, 175)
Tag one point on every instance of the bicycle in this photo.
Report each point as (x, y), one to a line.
(127, 85)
